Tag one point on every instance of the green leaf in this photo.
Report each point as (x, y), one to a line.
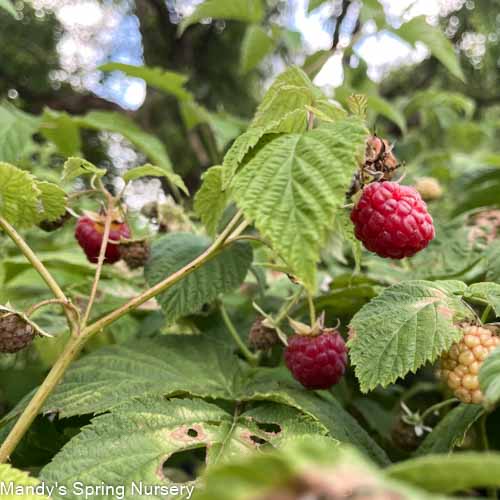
(315, 62)
(169, 82)
(250, 11)
(315, 466)
(385, 108)
(132, 443)
(61, 129)
(291, 91)
(294, 185)
(154, 171)
(314, 4)
(53, 200)
(449, 473)
(210, 201)
(223, 273)
(373, 10)
(256, 45)
(418, 29)
(9, 7)
(489, 292)
(150, 145)
(489, 379)
(75, 167)
(21, 484)
(406, 326)
(16, 133)
(451, 430)
(19, 196)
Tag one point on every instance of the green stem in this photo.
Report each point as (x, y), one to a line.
(71, 350)
(283, 312)
(486, 313)
(251, 358)
(438, 406)
(312, 310)
(40, 268)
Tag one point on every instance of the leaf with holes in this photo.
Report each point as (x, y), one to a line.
(223, 273)
(19, 196)
(53, 200)
(18, 485)
(169, 82)
(406, 326)
(210, 201)
(250, 11)
(295, 184)
(149, 170)
(138, 442)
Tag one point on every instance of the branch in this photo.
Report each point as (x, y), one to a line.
(338, 23)
(41, 269)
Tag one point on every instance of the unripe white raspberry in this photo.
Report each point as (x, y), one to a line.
(459, 367)
(429, 188)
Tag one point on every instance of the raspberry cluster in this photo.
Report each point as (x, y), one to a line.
(459, 367)
(317, 361)
(90, 231)
(392, 220)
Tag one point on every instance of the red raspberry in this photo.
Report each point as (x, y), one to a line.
(89, 233)
(317, 361)
(392, 220)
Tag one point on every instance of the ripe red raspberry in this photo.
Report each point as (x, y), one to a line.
(89, 232)
(392, 220)
(317, 361)
(459, 367)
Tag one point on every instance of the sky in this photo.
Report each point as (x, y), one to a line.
(93, 29)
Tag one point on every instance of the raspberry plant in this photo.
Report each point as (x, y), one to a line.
(271, 328)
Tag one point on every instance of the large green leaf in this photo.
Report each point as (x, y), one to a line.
(250, 11)
(294, 185)
(451, 430)
(19, 196)
(132, 443)
(489, 379)
(256, 45)
(61, 129)
(16, 133)
(418, 29)
(53, 200)
(406, 326)
(223, 273)
(154, 171)
(449, 473)
(18, 485)
(210, 201)
(150, 145)
(304, 468)
(166, 81)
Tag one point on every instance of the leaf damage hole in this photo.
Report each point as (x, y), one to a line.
(258, 440)
(192, 433)
(269, 427)
(184, 466)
